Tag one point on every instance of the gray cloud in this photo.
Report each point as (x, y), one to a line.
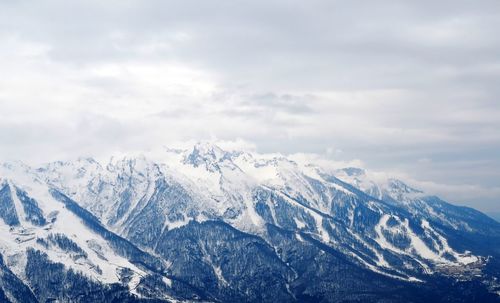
(406, 86)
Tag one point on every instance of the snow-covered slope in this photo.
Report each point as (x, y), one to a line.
(383, 227)
(37, 226)
(417, 202)
(37, 220)
(249, 190)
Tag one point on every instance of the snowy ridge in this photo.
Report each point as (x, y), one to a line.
(223, 184)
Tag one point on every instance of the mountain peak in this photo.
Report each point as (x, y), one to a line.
(205, 153)
(88, 160)
(207, 147)
(400, 186)
(354, 171)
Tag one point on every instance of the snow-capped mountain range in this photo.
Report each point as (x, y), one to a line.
(206, 224)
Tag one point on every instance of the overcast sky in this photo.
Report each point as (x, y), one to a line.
(409, 87)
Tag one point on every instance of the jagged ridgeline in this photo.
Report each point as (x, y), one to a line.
(209, 225)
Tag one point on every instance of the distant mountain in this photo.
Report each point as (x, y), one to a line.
(207, 224)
